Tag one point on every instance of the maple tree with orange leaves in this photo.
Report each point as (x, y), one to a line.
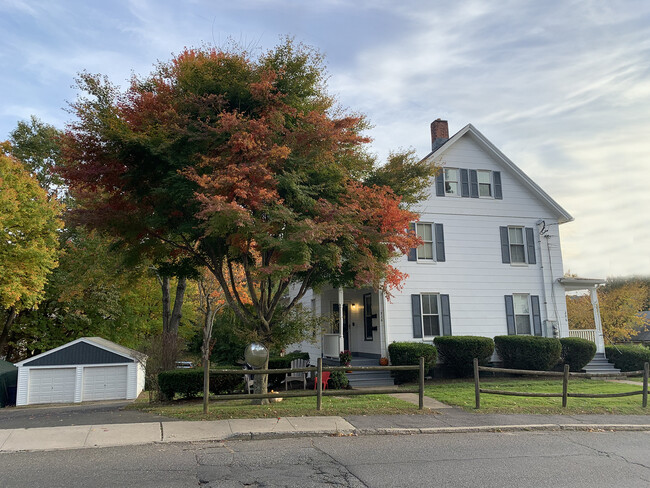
(233, 161)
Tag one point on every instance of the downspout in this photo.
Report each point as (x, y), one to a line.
(341, 342)
(541, 262)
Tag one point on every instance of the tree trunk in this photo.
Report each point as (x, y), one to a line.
(4, 335)
(261, 385)
(171, 322)
(205, 350)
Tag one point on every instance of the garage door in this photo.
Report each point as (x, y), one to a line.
(104, 383)
(51, 385)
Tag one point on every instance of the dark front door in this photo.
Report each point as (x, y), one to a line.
(346, 329)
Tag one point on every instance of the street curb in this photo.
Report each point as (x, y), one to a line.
(444, 430)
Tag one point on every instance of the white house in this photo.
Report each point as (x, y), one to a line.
(491, 262)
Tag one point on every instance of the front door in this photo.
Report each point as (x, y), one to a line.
(346, 329)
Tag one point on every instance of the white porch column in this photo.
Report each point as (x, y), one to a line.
(341, 343)
(382, 324)
(600, 341)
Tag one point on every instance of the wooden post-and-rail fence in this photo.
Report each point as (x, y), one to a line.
(565, 384)
(320, 393)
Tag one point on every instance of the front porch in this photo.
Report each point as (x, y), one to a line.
(355, 323)
(599, 364)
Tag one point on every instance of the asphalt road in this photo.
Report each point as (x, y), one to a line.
(566, 459)
(85, 414)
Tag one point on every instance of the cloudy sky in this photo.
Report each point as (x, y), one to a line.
(561, 87)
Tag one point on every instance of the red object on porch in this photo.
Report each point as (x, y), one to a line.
(326, 378)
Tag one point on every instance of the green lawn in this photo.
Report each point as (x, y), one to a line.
(461, 393)
(289, 407)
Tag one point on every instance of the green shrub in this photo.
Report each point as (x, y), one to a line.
(577, 352)
(458, 352)
(409, 353)
(282, 362)
(528, 352)
(338, 380)
(628, 358)
(188, 383)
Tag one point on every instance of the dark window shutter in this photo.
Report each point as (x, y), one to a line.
(440, 184)
(505, 245)
(464, 183)
(440, 243)
(446, 315)
(537, 319)
(510, 315)
(473, 183)
(498, 191)
(412, 255)
(417, 316)
(530, 244)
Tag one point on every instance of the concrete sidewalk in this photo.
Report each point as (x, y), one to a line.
(449, 420)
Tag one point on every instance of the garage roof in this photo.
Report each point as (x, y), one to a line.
(86, 350)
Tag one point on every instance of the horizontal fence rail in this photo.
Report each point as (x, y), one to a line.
(565, 384)
(319, 392)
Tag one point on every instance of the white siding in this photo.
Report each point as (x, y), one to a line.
(473, 274)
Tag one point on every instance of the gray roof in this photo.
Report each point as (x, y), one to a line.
(644, 333)
(101, 342)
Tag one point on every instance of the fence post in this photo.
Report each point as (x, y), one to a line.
(646, 372)
(319, 380)
(477, 385)
(565, 386)
(421, 392)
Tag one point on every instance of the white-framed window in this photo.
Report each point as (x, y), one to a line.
(517, 245)
(452, 181)
(521, 305)
(425, 250)
(484, 183)
(430, 314)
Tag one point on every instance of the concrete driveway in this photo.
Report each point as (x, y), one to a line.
(98, 413)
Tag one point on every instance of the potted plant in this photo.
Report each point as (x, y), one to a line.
(345, 358)
(383, 361)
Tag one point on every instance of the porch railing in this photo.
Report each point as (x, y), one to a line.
(331, 345)
(589, 334)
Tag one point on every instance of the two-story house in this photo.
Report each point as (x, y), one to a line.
(490, 263)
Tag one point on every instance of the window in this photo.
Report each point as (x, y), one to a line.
(430, 315)
(451, 181)
(517, 247)
(522, 314)
(484, 184)
(469, 183)
(425, 251)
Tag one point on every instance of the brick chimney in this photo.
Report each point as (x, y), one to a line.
(439, 133)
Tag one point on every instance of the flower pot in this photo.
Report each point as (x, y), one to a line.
(383, 361)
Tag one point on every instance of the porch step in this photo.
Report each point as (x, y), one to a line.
(600, 364)
(363, 379)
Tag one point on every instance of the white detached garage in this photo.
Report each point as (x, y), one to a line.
(84, 370)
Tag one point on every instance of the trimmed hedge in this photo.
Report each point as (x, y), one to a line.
(628, 358)
(338, 380)
(189, 382)
(577, 352)
(409, 353)
(458, 352)
(528, 352)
